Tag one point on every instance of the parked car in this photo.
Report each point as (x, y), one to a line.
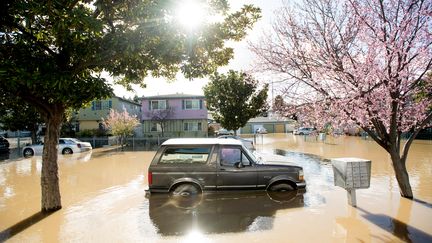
(4, 145)
(304, 131)
(66, 146)
(247, 143)
(223, 131)
(186, 167)
(261, 130)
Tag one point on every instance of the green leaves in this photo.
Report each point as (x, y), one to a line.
(234, 98)
(53, 52)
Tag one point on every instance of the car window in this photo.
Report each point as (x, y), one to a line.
(229, 156)
(185, 155)
(245, 161)
(61, 141)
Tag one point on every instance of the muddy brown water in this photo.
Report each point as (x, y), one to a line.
(104, 200)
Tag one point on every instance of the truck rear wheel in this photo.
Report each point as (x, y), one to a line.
(186, 196)
(281, 187)
(185, 190)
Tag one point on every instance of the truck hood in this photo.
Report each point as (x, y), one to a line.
(279, 163)
(272, 159)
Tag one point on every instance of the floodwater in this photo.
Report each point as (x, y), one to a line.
(104, 200)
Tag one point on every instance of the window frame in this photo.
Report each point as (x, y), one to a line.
(192, 101)
(243, 153)
(209, 155)
(187, 124)
(158, 104)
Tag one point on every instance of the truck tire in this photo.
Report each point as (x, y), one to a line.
(281, 187)
(185, 190)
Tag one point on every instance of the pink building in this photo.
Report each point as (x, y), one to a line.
(175, 115)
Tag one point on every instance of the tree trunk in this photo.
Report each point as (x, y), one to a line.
(51, 200)
(401, 173)
(33, 137)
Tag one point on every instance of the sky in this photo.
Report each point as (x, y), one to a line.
(243, 58)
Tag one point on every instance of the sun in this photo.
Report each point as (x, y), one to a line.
(191, 13)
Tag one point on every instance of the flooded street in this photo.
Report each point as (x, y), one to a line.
(104, 200)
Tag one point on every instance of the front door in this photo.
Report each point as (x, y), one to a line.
(235, 169)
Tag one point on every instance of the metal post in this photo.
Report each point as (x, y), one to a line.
(18, 144)
(352, 200)
(94, 142)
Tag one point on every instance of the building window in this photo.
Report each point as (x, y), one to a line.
(158, 105)
(192, 104)
(156, 127)
(192, 126)
(106, 105)
(98, 105)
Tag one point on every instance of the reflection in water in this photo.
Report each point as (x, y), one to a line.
(220, 212)
(318, 175)
(354, 228)
(104, 200)
(22, 225)
(395, 226)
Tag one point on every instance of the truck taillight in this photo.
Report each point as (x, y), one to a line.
(301, 175)
(150, 178)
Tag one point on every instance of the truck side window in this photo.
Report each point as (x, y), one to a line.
(245, 161)
(230, 156)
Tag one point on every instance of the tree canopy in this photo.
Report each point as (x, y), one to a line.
(234, 98)
(356, 62)
(121, 124)
(52, 54)
(15, 115)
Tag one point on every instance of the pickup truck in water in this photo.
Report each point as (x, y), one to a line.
(191, 166)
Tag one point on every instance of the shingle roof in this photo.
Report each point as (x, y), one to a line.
(173, 96)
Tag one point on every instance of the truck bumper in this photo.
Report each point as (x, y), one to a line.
(301, 185)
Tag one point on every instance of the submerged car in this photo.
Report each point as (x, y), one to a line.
(304, 131)
(247, 143)
(224, 131)
(261, 130)
(66, 146)
(190, 166)
(4, 145)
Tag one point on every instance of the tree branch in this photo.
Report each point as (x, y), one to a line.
(414, 134)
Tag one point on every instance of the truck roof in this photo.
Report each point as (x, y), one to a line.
(199, 141)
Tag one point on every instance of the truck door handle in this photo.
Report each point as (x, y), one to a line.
(222, 169)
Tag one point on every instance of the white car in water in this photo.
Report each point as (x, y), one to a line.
(66, 146)
(247, 143)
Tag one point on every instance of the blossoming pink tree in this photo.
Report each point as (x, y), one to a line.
(357, 61)
(121, 124)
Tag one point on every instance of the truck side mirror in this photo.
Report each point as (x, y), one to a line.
(239, 165)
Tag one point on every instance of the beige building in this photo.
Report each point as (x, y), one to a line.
(91, 117)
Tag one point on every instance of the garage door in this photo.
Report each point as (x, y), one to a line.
(279, 128)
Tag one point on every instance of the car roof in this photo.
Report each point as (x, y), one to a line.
(200, 141)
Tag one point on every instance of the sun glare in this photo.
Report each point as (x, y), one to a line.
(191, 14)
